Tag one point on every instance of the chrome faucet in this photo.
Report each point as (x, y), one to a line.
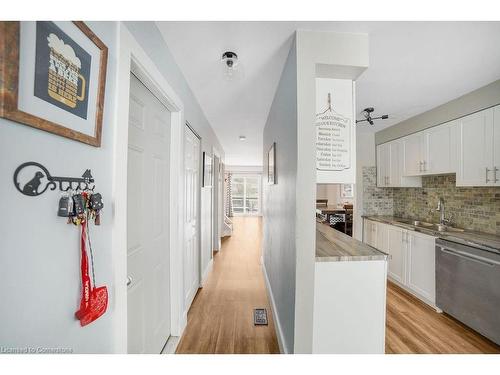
(440, 207)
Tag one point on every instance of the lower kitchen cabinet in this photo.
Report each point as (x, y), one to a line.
(421, 250)
(412, 257)
(396, 250)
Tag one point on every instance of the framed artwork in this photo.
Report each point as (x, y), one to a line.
(271, 165)
(52, 77)
(207, 170)
(346, 191)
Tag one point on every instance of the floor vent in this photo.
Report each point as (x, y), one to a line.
(260, 317)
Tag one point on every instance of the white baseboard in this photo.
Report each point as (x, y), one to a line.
(205, 274)
(279, 331)
(171, 345)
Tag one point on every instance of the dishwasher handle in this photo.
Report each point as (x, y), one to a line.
(469, 256)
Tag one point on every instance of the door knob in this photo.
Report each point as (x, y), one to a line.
(129, 280)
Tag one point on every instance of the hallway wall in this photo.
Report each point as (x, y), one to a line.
(279, 200)
(39, 252)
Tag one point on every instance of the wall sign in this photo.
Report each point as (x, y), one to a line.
(335, 131)
(53, 77)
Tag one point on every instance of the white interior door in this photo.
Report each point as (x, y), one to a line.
(191, 221)
(148, 256)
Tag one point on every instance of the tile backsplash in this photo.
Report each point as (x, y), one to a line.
(376, 201)
(473, 208)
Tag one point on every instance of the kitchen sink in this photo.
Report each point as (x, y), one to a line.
(438, 227)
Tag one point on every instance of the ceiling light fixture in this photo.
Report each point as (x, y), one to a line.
(230, 60)
(242, 138)
(367, 113)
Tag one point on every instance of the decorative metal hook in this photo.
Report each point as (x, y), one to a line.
(34, 187)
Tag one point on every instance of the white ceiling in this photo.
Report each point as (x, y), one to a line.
(414, 66)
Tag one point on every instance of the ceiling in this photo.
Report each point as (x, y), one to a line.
(414, 66)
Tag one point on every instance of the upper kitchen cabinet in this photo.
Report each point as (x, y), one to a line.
(496, 146)
(479, 148)
(431, 151)
(390, 166)
(412, 155)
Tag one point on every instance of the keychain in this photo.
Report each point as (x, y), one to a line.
(80, 208)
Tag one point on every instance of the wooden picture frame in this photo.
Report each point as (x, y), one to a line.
(271, 165)
(10, 54)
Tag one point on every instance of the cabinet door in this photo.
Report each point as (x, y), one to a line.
(496, 146)
(438, 146)
(394, 163)
(412, 146)
(383, 166)
(475, 149)
(382, 232)
(396, 250)
(370, 233)
(421, 276)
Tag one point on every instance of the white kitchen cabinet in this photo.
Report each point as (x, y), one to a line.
(383, 164)
(431, 151)
(496, 146)
(439, 149)
(412, 154)
(476, 143)
(420, 253)
(370, 233)
(390, 166)
(397, 250)
(411, 262)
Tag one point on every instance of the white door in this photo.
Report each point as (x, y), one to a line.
(396, 250)
(191, 215)
(496, 147)
(421, 265)
(413, 162)
(148, 256)
(438, 147)
(381, 236)
(475, 149)
(370, 230)
(383, 165)
(394, 164)
(245, 194)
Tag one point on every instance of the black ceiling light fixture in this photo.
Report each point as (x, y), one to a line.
(367, 113)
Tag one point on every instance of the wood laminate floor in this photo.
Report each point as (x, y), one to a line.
(414, 327)
(220, 319)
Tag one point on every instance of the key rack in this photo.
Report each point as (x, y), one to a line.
(33, 186)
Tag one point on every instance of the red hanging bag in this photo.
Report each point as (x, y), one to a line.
(94, 302)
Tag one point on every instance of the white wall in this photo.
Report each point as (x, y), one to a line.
(365, 158)
(280, 202)
(39, 252)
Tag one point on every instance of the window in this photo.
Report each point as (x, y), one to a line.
(245, 194)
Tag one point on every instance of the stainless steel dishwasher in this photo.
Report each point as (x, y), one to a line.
(468, 286)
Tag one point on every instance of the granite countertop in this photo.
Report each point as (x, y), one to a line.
(486, 241)
(335, 246)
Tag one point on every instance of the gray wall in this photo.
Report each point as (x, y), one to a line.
(484, 97)
(279, 199)
(39, 252)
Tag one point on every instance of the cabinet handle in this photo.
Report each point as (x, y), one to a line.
(424, 166)
(487, 171)
(420, 166)
(495, 169)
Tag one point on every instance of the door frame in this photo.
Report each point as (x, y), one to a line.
(131, 58)
(198, 209)
(216, 205)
